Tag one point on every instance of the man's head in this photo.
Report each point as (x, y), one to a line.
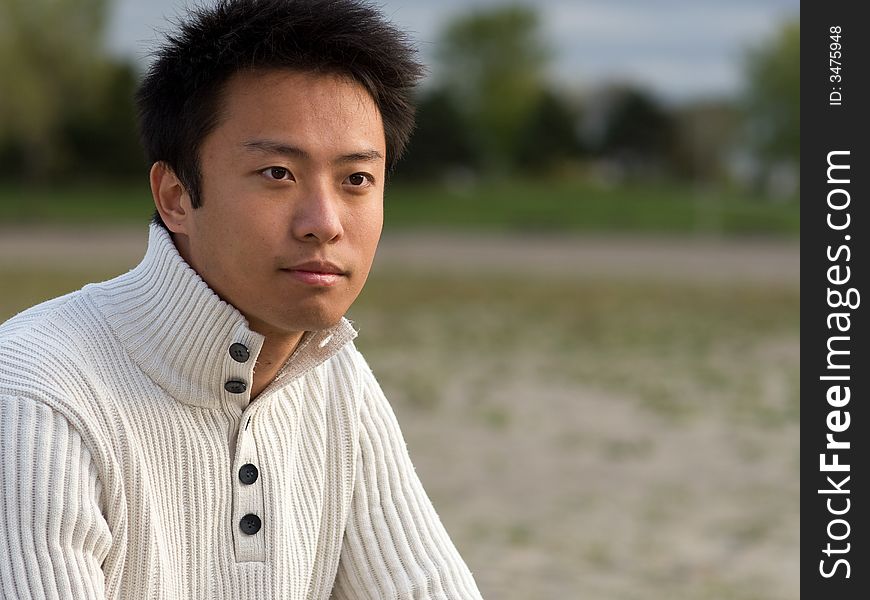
(180, 99)
(271, 125)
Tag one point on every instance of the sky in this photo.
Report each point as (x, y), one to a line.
(679, 49)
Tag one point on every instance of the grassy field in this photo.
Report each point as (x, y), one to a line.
(517, 205)
(586, 438)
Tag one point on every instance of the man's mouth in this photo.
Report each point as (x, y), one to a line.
(316, 273)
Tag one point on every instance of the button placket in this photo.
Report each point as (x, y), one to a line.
(237, 371)
(249, 520)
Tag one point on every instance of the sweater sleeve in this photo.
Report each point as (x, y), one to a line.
(395, 547)
(54, 536)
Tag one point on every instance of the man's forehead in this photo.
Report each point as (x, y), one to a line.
(284, 111)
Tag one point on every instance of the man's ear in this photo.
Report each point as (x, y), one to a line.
(170, 197)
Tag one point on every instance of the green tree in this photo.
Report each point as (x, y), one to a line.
(706, 133)
(102, 137)
(493, 63)
(441, 142)
(637, 130)
(51, 63)
(549, 136)
(772, 97)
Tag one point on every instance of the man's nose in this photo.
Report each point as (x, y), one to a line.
(318, 216)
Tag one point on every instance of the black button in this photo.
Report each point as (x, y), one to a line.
(235, 387)
(250, 524)
(239, 352)
(248, 474)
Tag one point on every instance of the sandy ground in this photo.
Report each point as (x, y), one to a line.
(558, 482)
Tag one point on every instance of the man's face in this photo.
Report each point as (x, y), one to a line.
(292, 199)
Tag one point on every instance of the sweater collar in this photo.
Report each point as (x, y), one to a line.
(181, 333)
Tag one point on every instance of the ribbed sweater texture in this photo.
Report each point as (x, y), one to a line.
(126, 457)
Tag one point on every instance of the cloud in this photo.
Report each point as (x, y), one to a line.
(677, 47)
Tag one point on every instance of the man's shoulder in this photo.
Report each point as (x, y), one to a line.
(48, 345)
(22, 323)
(47, 358)
(49, 323)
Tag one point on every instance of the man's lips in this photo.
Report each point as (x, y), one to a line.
(316, 273)
(317, 266)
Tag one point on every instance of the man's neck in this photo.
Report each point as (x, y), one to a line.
(277, 348)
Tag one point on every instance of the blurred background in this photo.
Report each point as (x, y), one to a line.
(585, 305)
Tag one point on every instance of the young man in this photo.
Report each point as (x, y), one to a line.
(202, 426)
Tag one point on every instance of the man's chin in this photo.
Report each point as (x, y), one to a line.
(314, 322)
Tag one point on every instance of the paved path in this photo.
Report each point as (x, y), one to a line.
(654, 258)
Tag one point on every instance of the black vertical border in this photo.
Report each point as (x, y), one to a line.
(827, 128)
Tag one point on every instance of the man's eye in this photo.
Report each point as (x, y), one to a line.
(359, 180)
(277, 173)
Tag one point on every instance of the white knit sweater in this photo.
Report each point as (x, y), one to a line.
(122, 450)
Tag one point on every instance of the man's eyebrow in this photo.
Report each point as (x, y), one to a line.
(270, 147)
(273, 147)
(365, 156)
